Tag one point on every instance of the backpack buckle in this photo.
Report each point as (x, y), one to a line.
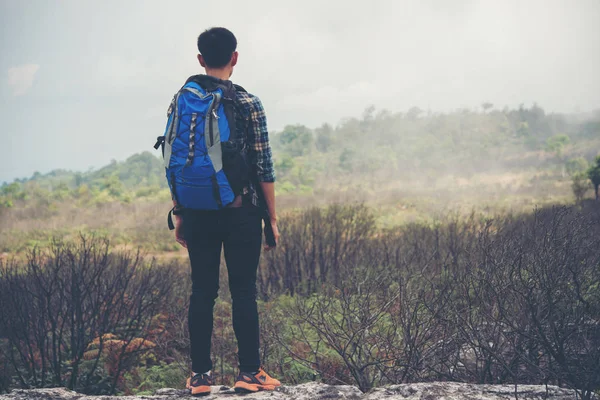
(159, 141)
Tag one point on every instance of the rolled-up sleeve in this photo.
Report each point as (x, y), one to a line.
(258, 142)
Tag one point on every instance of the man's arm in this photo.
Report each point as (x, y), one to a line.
(258, 142)
(268, 189)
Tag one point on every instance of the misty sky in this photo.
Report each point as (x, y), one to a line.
(84, 82)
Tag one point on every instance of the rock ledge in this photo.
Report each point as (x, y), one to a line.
(319, 391)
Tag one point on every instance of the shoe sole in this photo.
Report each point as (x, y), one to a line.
(200, 391)
(243, 387)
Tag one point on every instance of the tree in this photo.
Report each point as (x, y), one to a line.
(324, 138)
(556, 144)
(11, 190)
(78, 177)
(486, 106)
(297, 140)
(347, 159)
(114, 186)
(576, 165)
(414, 112)
(368, 113)
(594, 174)
(523, 129)
(580, 185)
(284, 163)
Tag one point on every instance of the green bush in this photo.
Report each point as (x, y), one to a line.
(156, 377)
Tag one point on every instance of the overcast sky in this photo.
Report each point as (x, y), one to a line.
(84, 82)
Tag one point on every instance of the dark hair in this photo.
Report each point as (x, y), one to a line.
(216, 46)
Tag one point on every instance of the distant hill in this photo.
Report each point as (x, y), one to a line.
(143, 169)
(380, 147)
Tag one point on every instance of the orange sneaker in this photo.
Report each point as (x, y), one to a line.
(248, 383)
(199, 384)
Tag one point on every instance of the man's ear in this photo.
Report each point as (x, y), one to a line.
(201, 60)
(234, 58)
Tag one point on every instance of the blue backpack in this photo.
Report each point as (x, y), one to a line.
(205, 160)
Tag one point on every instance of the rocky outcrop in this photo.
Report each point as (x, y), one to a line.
(318, 391)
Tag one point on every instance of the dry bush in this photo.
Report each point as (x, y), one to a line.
(320, 246)
(514, 299)
(510, 300)
(76, 308)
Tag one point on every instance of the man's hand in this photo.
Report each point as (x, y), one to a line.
(267, 189)
(179, 231)
(275, 233)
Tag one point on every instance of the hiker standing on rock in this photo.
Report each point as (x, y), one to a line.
(220, 171)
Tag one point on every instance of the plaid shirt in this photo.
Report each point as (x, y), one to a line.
(253, 121)
(257, 136)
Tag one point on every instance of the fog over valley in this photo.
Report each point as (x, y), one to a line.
(85, 83)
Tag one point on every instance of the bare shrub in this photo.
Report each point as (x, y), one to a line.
(320, 245)
(508, 300)
(511, 300)
(78, 315)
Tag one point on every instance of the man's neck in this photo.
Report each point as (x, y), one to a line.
(222, 74)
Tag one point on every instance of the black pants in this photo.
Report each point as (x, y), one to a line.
(239, 232)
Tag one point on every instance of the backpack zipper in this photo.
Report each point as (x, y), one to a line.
(212, 113)
(173, 110)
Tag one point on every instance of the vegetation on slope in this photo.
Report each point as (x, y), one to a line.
(513, 299)
(413, 166)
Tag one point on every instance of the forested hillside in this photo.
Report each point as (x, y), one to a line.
(413, 166)
(415, 147)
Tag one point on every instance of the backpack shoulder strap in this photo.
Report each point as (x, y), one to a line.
(239, 88)
(229, 100)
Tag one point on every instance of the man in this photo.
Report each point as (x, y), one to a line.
(237, 228)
